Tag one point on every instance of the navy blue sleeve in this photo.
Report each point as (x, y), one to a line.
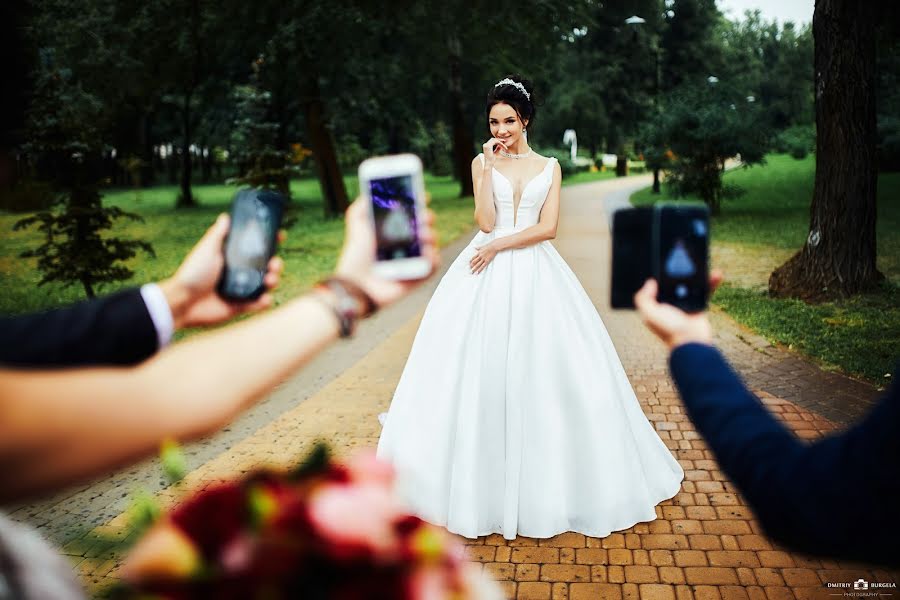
(111, 330)
(836, 496)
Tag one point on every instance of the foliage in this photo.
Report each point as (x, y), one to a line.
(263, 164)
(692, 51)
(64, 148)
(798, 141)
(74, 251)
(703, 128)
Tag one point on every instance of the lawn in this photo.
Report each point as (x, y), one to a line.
(310, 251)
(859, 336)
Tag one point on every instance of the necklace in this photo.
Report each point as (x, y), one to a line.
(515, 156)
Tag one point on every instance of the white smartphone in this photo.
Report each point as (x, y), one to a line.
(394, 190)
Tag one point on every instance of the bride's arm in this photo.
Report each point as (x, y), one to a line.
(545, 229)
(483, 184)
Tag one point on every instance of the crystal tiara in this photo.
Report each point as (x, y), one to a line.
(515, 84)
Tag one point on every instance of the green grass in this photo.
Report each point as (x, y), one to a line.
(859, 336)
(587, 176)
(310, 251)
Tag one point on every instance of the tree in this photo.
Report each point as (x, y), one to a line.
(263, 164)
(703, 128)
(691, 50)
(838, 258)
(64, 146)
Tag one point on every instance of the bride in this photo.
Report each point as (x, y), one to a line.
(514, 414)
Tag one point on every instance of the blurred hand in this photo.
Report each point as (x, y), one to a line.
(191, 291)
(358, 256)
(672, 325)
(482, 258)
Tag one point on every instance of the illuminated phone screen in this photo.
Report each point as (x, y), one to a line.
(396, 223)
(255, 219)
(683, 257)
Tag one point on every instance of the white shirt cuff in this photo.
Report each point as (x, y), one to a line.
(160, 313)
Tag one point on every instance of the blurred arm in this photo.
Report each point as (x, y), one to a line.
(836, 496)
(60, 426)
(483, 184)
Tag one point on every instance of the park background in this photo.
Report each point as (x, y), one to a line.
(128, 126)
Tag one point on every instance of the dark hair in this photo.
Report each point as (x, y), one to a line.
(512, 95)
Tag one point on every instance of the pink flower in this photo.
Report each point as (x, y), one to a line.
(356, 519)
(364, 467)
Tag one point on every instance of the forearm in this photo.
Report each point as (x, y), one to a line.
(485, 211)
(535, 234)
(188, 391)
(792, 486)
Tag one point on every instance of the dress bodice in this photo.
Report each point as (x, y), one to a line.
(534, 193)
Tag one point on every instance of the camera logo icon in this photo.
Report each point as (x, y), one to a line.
(860, 584)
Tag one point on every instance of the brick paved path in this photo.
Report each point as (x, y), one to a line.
(705, 544)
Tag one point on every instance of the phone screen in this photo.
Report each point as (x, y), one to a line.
(255, 219)
(396, 222)
(683, 245)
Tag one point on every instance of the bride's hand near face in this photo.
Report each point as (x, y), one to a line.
(491, 148)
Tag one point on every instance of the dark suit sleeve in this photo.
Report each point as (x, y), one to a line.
(836, 496)
(112, 330)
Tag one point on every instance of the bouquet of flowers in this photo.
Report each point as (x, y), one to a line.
(327, 530)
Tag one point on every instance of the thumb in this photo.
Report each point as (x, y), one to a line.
(646, 296)
(217, 231)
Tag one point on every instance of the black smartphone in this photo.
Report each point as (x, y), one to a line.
(667, 242)
(632, 253)
(251, 242)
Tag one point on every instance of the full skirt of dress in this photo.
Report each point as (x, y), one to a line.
(514, 414)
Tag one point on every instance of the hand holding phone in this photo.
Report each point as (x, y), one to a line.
(669, 243)
(255, 220)
(393, 189)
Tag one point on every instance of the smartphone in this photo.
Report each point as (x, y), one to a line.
(667, 242)
(251, 242)
(682, 245)
(394, 190)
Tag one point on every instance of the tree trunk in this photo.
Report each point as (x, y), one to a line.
(656, 181)
(330, 178)
(186, 198)
(838, 258)
(462, 137)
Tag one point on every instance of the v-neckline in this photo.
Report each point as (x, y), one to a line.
(524, 187)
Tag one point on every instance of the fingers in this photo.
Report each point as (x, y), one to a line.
(645, 298)
(282, 235)
(217, 231)
(273, 276)
(716, 277)
(263, 302)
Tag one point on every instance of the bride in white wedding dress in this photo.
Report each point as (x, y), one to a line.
(513, 414)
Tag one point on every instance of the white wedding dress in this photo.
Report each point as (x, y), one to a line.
(514, 414)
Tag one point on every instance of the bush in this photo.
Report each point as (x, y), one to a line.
(798, 141)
